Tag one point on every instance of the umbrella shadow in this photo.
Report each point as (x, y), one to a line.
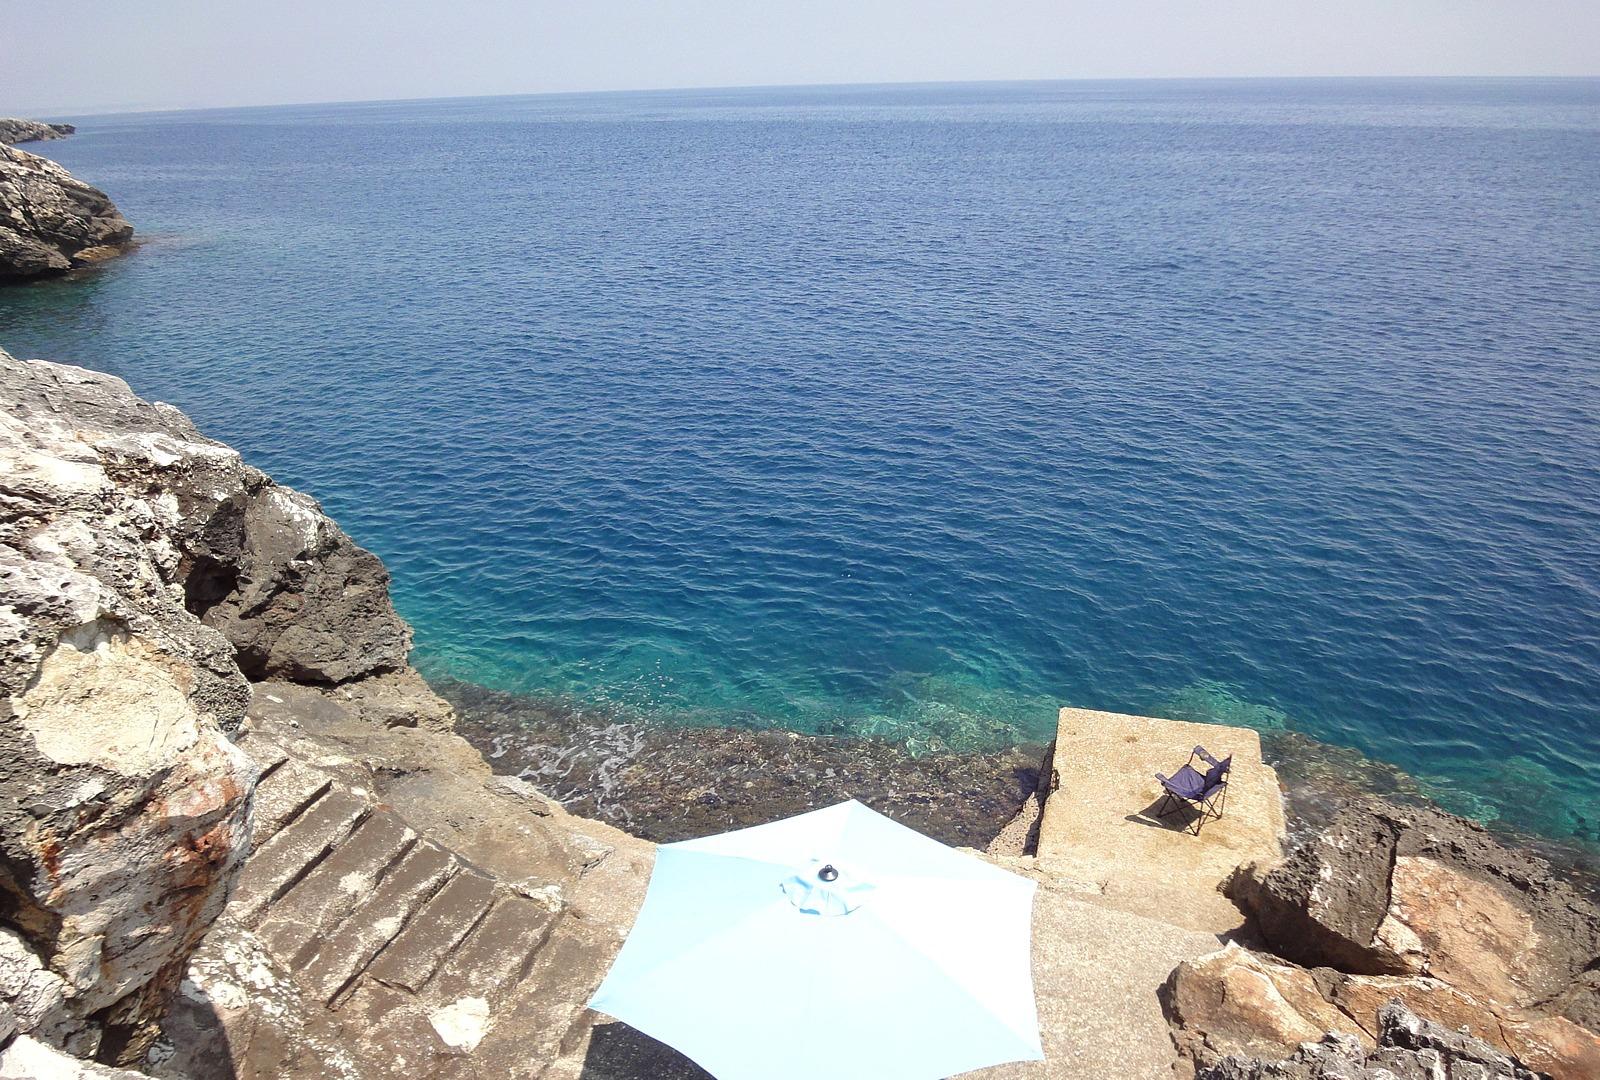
(618, 1052)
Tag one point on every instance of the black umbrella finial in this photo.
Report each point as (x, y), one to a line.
(828, 873)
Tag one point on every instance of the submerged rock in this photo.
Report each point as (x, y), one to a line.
(13, 131)
(667, 783)
(50, 221)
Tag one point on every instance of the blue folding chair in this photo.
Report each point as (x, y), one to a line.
(1206, 791)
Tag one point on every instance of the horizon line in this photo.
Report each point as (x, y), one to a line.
(139, 110)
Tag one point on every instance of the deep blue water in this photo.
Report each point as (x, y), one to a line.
(924, 410)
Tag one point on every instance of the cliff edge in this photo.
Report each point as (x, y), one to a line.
(229, 809)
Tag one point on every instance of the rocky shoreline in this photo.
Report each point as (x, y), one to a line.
(14, 130)
(50, 221)
(675, 783)
(668, 783)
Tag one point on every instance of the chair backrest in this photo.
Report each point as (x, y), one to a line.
(1219, 772)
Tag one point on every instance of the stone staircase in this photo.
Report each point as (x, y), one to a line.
(356, 945)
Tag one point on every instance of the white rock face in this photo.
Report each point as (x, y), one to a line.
(462, 1024)
(103, 697)
(146, 574)
(29, 1059)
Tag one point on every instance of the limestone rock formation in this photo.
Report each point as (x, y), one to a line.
(13, 131)
(238, 836)
(1406, 904)
(406, 913)
(145, 572)
(122, 802)
(1408, 1048)
(1387, 890)
(1235, 1002)
(50, 221)
(1242, 1004)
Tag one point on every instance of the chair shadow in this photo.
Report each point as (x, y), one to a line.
(618, 1052)
(1180, 818)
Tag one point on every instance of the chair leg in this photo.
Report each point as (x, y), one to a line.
(1162, 808)
(1211, 809)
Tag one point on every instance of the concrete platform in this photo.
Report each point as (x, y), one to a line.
(1099, 825)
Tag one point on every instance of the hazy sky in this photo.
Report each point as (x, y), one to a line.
(94, 55)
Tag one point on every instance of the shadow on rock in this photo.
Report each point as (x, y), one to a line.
(618, 1052)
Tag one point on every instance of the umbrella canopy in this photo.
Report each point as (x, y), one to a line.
(833, 944)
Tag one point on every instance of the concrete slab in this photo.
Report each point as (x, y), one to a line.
(1097, 977)
(1099, 824)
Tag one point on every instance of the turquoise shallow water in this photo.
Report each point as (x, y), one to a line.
(921, 411)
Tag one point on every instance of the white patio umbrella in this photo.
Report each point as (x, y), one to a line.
(836, 944)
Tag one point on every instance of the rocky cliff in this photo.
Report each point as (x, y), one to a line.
(145, 569)
(229, 810)
(1398, 904)
(50, 221)
(13, 131)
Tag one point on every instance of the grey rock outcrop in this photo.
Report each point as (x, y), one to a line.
(13, 131)
(1408, 1048)
(1389, 890)
(50, 221)
(145, 572)
(238, 836)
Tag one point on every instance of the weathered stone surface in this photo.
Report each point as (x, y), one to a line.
(1362, 997)
(49, 219)
(1409, 1048)
(122, 803)
(1236, 1002)
(412, 958)
(296, 598)
(1465, 931)
(143, 565)
(26, 1058)
(322, 899)
(13, 131)
(377, 920)
(1554, 1046)
(1410, 890)
(432, 963)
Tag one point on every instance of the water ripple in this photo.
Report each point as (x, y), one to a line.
(921, 412)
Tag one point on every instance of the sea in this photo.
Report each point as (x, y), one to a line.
(920, 411)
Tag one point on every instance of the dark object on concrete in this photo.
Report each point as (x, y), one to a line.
(1207, 791)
